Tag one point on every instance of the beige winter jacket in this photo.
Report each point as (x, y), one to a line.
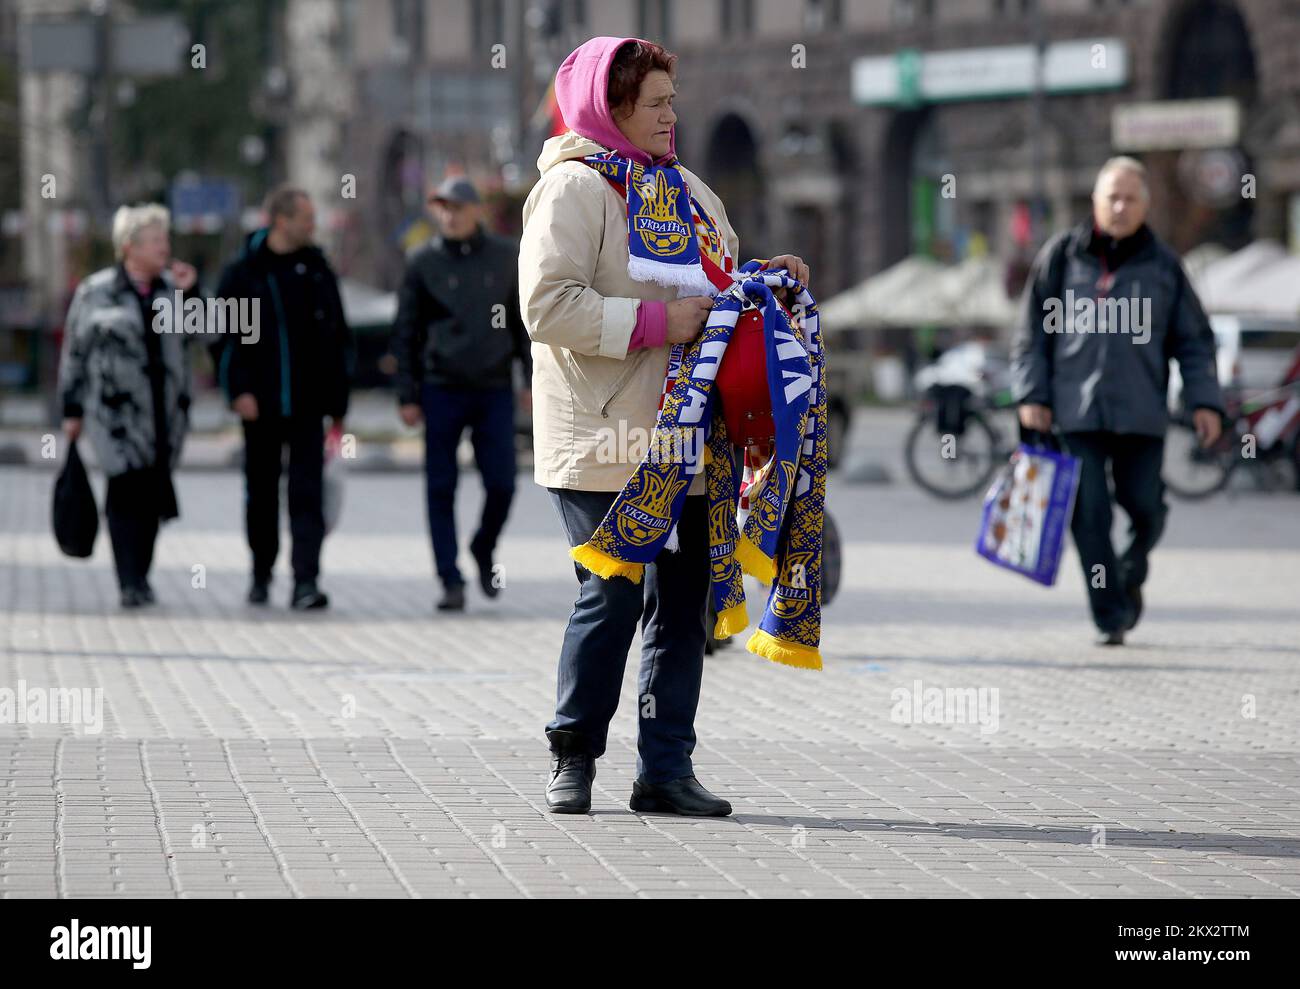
(594, 405)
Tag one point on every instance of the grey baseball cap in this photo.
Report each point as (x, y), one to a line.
(456, 190)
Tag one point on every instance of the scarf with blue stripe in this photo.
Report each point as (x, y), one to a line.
(780, 540)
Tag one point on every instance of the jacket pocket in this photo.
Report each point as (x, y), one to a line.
(620, 384)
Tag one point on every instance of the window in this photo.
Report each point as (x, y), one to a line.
(488, 23)
(655, 20)
(822, 15)
(408, 29)
(737, 17)
(908, 12)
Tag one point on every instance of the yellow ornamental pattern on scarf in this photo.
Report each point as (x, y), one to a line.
(709, 237)
(728, 582)
(799, 607)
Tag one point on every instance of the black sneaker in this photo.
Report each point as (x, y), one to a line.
(483, 558)
(1112, 638)
(146, 593)
(453, 598)
(308, 597)
(132, 598)
(260, 591)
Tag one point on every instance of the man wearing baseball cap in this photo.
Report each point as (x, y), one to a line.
(457, 336)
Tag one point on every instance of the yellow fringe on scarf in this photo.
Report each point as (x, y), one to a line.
(754, 561)
(731, 621)
(790, 653)
(603, 565)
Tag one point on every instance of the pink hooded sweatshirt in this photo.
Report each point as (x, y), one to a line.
(582, 94)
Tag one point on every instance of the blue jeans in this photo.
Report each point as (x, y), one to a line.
(670, 604)
(490, 415)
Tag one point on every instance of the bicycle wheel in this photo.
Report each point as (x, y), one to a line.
(951, 466)
(1190, 471)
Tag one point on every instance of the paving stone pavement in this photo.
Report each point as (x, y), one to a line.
(378, 750)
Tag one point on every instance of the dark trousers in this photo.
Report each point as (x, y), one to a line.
(131, 507)
(670, 604)
(490, 415)
(1135, 463)
(264, 442)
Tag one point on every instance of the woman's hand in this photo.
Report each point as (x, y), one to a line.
(686, 318)
(798, 270)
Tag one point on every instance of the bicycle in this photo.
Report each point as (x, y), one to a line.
(953, 449)
(1263, 436)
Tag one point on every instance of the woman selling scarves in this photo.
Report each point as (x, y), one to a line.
(611, 276)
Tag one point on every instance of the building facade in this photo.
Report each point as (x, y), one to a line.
(852, 132)
(769, 115)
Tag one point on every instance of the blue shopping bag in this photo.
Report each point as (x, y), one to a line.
(1027, 512)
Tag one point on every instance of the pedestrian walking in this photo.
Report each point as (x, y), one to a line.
(129, 384)
(283, 381)
(1106, 308)
(601, 329)
(457, 338)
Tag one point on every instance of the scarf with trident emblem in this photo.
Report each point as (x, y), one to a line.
(781, 541)
(661, 238)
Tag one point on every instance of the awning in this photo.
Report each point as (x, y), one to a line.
(919, 291)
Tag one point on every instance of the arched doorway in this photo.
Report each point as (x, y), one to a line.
(737, 178)
(1208, 55)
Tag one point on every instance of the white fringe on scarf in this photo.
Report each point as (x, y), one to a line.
(687, 279)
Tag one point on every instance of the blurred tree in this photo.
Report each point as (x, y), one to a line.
(218, 119)
(198, 120)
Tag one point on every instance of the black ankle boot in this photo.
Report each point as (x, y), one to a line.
(573, 768)
(483, 560)
(683, 796)
(308, 597)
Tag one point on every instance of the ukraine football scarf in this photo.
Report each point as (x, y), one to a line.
(661, 236)
(780, 542)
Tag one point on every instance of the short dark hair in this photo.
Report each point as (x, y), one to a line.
(632, 63)
(282, 201)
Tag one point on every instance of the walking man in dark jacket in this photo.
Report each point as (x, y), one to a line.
(457, 336)
(283, 385)
(1106, 307)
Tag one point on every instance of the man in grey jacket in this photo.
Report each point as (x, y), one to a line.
(1106, 307)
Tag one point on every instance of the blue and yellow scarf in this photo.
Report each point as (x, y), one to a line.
(780, 540)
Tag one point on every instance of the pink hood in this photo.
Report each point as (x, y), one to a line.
(582, 94)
